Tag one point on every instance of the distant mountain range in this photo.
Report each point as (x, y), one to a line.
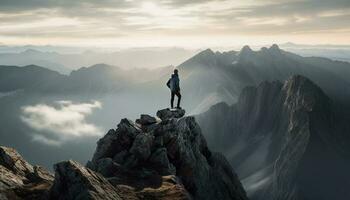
(66, 62)
(65, 59)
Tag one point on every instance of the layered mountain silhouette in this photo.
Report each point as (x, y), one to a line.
(99, 78)
(286, 141)
(224, 75)
(72, 59)
(154, 158)
(207, 78)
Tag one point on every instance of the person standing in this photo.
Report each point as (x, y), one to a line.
(174, 86)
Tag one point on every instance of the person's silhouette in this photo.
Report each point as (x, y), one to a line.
(174, 86)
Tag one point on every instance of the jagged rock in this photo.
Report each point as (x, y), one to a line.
(9, 180)
(107, 167)
(174, 146)
(41, 174)
(131, 161)
(19, 179)
(73, 181)
(146, 120)
(170, 113)
(170, 188)
(13, 161)
(160, 159)
(116, 140)
(141, 147)
(120, 157)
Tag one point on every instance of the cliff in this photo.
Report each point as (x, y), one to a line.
(283, 140)
(164, 157)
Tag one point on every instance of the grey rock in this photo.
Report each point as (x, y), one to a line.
(169, 113)
(177, 147)
(120, 157)
(106, 146)
(116, 140)
(9, 180)
(142, 145)
(41, 174)
(13, 161)
(19, 179)
(73, 181)
(131, 161)
(160, 159)
(146, 120)
(158, 141)
(150, 128)
(107, 167)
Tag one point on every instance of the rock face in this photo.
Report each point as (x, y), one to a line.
(173, 147)
(19, 179)
(73, 181)
(151, 159)
(168, 113)
(283, 141)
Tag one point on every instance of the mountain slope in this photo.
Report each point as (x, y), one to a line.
(142, 153)
(283, 140)
(155, 158)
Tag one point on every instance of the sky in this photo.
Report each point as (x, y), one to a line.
(167, 23)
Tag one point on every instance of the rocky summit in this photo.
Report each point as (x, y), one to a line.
(156, 158)
(142, 155)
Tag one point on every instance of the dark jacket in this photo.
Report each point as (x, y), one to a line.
(174, 83)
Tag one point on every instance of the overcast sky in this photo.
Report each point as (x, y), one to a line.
(183, 23)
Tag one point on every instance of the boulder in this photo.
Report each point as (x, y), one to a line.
(13, 161)
(73, 181)
(41, 174)
(167, 113)
(19, 179)
(160, 159)
(141, 147)
(146, 120)
(120, 157)
(116, 140)
(107, 167)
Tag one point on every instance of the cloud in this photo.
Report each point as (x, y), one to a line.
(126, 21)
(61, 122)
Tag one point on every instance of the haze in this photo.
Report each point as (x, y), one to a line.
(164, 23)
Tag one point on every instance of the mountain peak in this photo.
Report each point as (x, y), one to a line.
(203, 58)
(170, 146)
(246, 49)
(206, 53)
(31, 51)
(308, 95)
(166, 158)
(246, 53)
(275, 49)
(274, 46)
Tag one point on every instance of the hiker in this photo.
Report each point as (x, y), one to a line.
(174, 85)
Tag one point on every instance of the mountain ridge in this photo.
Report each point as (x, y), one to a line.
(276, 135)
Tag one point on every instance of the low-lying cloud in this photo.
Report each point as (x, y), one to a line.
(60, 122)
